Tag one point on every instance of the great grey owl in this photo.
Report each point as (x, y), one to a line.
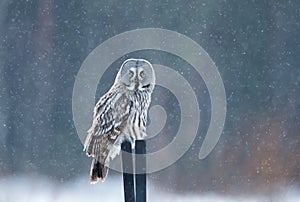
(119, 115)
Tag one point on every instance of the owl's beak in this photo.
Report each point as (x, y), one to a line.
(137, 83)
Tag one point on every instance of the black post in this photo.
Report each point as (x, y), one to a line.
(140, 167)
(127, 166)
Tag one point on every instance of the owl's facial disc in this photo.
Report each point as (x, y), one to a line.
(136, 74)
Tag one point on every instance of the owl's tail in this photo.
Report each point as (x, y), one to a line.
(98, 171)
(103, 149)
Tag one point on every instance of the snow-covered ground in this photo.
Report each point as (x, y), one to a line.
(40, 189)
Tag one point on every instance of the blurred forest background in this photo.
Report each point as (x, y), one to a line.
(254, 43)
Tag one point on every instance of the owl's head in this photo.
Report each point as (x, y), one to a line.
(137, 74)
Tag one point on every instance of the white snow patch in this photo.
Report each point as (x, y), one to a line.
(41, 189)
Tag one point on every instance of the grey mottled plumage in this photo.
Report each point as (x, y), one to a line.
(120, 114)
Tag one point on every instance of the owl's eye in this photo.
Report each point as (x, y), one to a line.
(131, 73)
(142, 74)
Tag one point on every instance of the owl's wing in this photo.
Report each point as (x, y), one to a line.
(110, 114)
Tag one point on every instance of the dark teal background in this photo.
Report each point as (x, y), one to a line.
(254, 43)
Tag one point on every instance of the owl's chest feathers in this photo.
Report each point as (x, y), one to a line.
(135, 126)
